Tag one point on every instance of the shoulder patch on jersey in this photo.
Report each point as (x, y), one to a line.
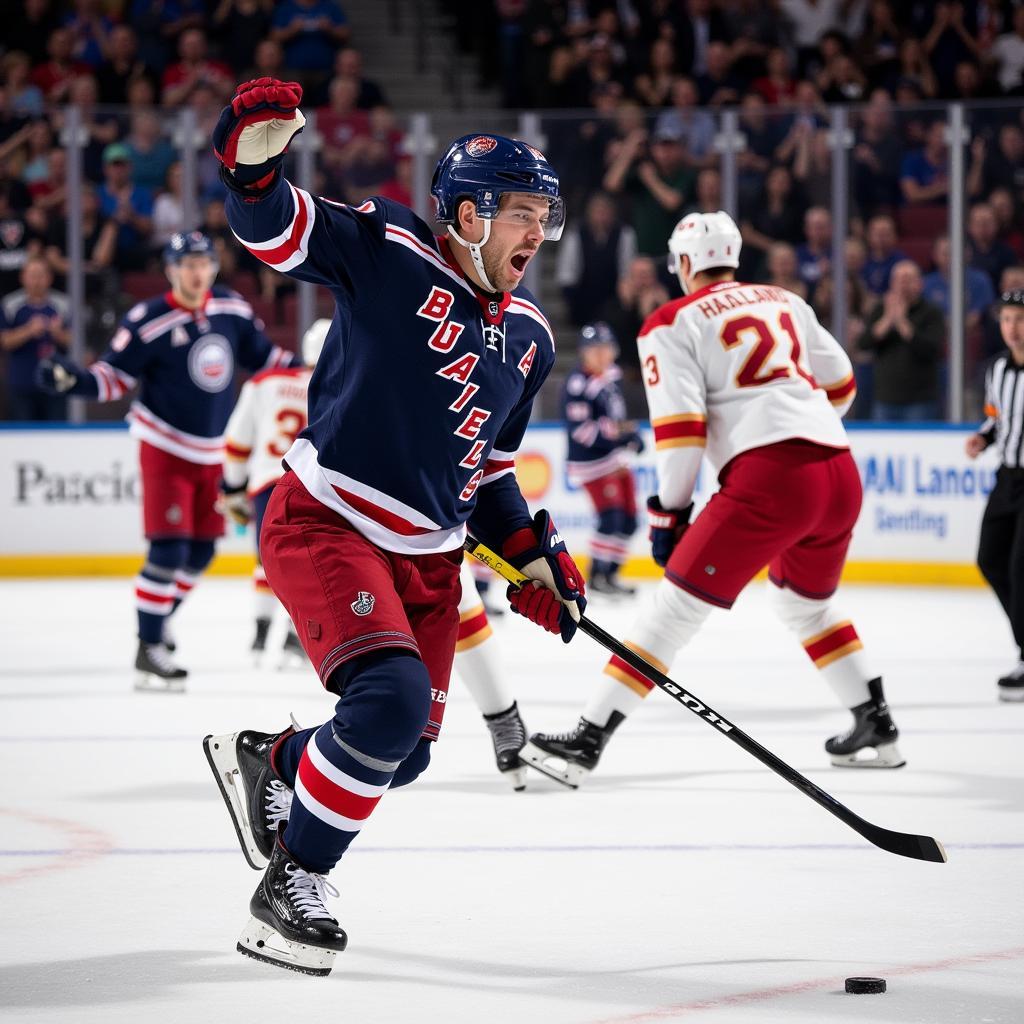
(119, 342)
(137, 312)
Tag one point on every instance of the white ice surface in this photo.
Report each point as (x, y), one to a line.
(684, 881)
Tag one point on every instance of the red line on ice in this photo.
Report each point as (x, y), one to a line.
(86, 844)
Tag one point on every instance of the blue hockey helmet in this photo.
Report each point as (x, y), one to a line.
(483, 167)
(190, 243)
(597, 333)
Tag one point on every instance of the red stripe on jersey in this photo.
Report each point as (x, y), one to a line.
(842, 390)
(279, 371)
(209, 446)
(290, 246)
(332, 796)
(473, 624)
(625, 673)
(671, 430)
(236, 451)
(390, 520)
(148, 595)
(824, 644)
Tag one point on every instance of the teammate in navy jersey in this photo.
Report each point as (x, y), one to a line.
(416, 408)
(181, 350)
(601, 445)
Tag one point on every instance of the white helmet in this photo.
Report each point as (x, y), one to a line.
(313, 341)
(709, 239)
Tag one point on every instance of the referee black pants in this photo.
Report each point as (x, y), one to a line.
(1001, 547)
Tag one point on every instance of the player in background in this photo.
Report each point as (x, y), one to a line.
(180, 349)
(1001, 544)
(749, 372)
(269, 415)
(417, 406)
(601, 445)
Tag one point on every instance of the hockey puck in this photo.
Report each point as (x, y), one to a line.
(865, 986)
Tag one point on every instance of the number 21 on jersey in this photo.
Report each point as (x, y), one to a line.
(753, 373)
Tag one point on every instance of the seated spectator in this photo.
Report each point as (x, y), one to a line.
(776, 216)
(1008, 53)
(762, 135)
(916, 80)
(599, 69)
(141, 94)
(35, 172)
(33, 326)
(814, 253)
(99, 243)
(1004, 206)
(341, 125)
(19, 239)
(49, 193)
(950, 40)
(90, 30)
(592, 256)
(123, 64)
(907, 335)
(855, 254)
(53, 77)
(193, 69)
(268, 62)
(707, 193)
(781, 269)
(924, 174)
(128, 204)
(777, 85)
(150, 152)
(883, 253)
(27, 28)
(979, 294)
(984, 250)
(638, 293)
(755, 31)
(348, 63)
(878, 46)
(168, 210)
(233, 257)
(653, 86)
(657, 183)
(310, 32)
(809, 116)
(694, 128)
(23, 99)
(718, 86)
(159, 24)
(812, 169)
(876, 159)
(100, 127)
(240, 26)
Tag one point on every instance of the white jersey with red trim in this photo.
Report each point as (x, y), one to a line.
(737, 366)
(269, 415)
(424, 388)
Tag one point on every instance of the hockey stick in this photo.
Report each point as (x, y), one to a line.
(902, 843)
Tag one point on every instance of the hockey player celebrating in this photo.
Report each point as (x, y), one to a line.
(180, 349)
(747, 371)
(601, 443)
(269, 415)
(416, 408)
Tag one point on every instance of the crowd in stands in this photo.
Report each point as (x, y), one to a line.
(647, 81)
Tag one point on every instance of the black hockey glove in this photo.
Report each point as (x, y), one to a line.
(667, 528)
(56, 376)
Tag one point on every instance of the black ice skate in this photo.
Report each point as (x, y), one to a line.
(871, 743)
(292, 654)
(568, 757)
(291, 926)
(156, 670)
(606, 583)
(259, 641)
(1011, 686)
(257, 800)
(508, 736)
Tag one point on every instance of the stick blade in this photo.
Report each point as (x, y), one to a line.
(905, 844)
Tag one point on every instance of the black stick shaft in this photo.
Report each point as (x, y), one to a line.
(902, 843)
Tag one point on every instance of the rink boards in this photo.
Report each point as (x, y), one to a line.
(70, 503)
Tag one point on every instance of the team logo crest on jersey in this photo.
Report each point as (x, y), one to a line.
(211, 364)
(363, 604)
(481, 145)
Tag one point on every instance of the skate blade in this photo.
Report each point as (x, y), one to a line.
(220, 755)
(146, 682)
(260, 942)
(553, 766)
(886, 755)
(1011, 696)
(517, 776)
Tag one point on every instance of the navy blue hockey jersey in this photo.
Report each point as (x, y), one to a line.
(424, 388)
(184, 364)
(594, 413)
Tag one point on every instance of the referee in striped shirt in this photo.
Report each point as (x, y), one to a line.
(1001, 545)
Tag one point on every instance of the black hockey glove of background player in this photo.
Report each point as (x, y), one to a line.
(667, 528)
(556, 599)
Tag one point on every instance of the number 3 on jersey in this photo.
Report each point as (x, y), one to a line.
(292, 421)
(752, 373)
